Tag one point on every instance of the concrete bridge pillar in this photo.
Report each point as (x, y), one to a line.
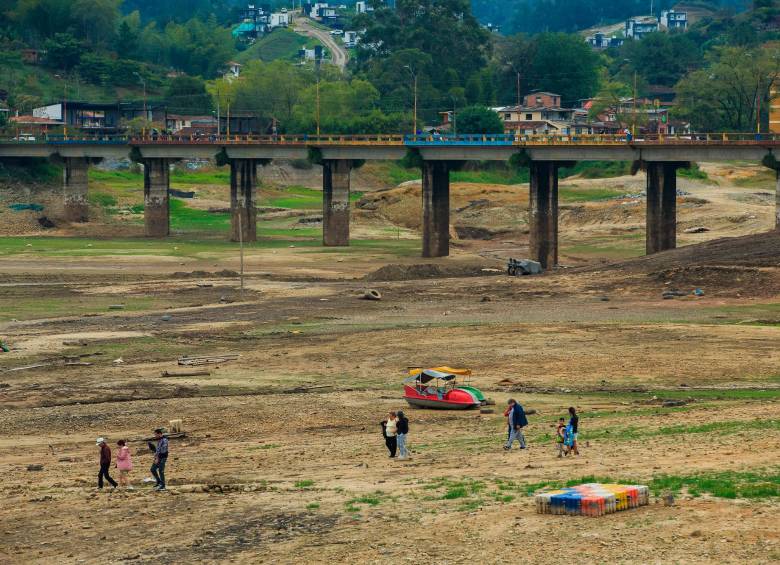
(436, 209)
(777, 201)
(243, 199)
(156, 198)
(75, 185)
(543, 213)
(661, 231)
(335, 202)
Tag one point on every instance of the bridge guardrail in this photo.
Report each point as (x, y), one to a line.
(427, 140)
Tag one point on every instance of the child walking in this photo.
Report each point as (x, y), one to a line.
(124, 463)
(560, 436)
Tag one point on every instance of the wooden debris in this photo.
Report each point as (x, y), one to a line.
(208, 359)
(191, 373)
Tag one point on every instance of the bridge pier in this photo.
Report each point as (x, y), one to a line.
(777, 201)
(543, 213)
(156, 197)
(436, 208)
(661, 231)
(335, 202)
(75, 184)
(243, 199)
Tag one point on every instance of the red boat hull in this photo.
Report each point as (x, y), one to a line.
(454, 399)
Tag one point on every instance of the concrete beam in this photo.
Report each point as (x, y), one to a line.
(543, 213)
(264, 152)
(661, 230)
(436, 209)
(243, 200)
(156, 197)
(386, 153)
(335, 202)
(75, 184)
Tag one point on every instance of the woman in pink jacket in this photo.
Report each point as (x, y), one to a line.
(124, 464)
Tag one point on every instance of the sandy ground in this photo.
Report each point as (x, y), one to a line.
(283, 459)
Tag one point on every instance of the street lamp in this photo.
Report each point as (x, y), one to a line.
(414, 82)
(146, 112)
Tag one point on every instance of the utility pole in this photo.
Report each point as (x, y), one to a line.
(414, 88)
(146, 111)
(317, 67)
(633, 119)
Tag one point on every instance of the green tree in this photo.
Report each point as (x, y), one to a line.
(63, 51)
(726, 94)
(188, 94)
(473, 90)
(661, 58)
(563, 64)
(445, 30)
(479, 119)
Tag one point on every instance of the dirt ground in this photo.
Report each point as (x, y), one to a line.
(283, 459)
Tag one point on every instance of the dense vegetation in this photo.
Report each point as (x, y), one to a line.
(178, 50)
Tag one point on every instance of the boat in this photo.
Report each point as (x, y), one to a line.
(439, 388)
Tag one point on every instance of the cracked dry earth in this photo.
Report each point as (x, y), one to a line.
(283, 459)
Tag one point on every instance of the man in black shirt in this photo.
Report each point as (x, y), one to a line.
(574, 422)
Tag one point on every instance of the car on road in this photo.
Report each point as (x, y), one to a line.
(337, 32)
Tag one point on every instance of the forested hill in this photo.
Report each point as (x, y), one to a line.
(537, 16)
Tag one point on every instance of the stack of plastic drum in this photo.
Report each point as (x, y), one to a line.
(592, 499)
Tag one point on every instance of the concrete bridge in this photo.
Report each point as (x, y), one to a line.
(659, 156)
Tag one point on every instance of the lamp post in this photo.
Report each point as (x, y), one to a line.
(414, 87)
(517, 76)
(454, 114)
(64, 104)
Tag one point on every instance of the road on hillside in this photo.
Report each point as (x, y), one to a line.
(338, 52)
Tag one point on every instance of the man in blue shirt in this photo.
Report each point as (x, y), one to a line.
(517, 421)
(160, 458)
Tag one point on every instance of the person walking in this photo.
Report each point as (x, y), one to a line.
(517, 421)
(124, 464)
(160, 458)
(574, 423)
(105, 463)
(402, 428)
(390, 431)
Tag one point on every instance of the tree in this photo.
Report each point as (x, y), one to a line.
(268, 90)
(188, 94)
(95, 19)
(444, 30)
(611, 100)
(661, 58)
(479, 119)
(726, 94)
(563, 64)
(63, 51)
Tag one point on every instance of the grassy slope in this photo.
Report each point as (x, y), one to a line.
(280, 44)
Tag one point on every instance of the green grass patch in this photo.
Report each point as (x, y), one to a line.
(55, 307)
(304, 484)
(280, 44)
(577, 195)
(186, 219)
(693, 172)
(121, 176)
(764, 178)
(597, 169)
(206, 176)
(29, 171)
(370, 500)
(313, 506)
(102, 199)
(490, 176)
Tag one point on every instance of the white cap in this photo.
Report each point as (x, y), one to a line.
(100, 440)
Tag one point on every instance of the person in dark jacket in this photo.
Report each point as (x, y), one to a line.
(160, 458)
(517, 421)
(105, 463)
(402, 428)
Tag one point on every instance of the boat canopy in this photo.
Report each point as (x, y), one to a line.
(414, 371)
(427, 375)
